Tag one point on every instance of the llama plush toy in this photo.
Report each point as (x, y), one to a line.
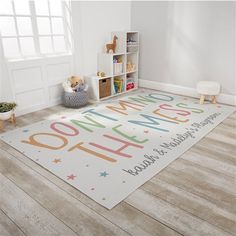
(112, 46)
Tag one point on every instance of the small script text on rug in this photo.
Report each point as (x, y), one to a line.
(109, 150)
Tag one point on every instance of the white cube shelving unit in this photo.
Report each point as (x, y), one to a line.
(125, 71)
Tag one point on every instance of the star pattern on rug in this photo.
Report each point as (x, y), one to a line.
(94, 180)
(56, 160)
(71, 177)
(104, 174)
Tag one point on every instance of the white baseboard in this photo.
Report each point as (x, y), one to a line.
(37, 108)
(186, 91)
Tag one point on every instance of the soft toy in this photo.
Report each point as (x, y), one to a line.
(130, 66)
(81, 87)
(112, 46)
(101, 74)
(67, 86)
(75, 81)
(78, 84)
(74, 84)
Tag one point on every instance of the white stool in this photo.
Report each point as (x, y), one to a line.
(209, 88)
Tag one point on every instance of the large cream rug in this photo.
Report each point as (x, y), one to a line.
(109, 150)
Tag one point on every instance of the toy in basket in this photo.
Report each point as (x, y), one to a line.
(75, 92)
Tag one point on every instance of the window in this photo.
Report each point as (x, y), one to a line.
(35, 28)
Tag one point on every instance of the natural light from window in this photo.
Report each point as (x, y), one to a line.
(35, 28)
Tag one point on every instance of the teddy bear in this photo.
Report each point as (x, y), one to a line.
(74, 84)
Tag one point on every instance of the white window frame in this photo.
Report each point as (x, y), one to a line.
(35, 34)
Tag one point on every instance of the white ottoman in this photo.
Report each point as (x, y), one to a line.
(208, 88)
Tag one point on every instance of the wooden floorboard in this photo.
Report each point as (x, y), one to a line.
(56, 201)
(8, 227)
(32, 218)
(127, 217)
(221, 163)
(193, 204)
(173, 216)
(194, 195)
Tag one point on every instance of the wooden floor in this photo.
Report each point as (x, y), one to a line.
(194, 195)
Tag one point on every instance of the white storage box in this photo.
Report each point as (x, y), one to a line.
(117, 68)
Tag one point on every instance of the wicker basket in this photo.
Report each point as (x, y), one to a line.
(104, 87)
(75, 100)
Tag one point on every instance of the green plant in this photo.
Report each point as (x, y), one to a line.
(7, 106)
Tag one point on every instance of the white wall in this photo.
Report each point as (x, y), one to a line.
(36, 83)
(1, 75)
(5, 87)
(184, 42)
(92, 23)
(181, 42)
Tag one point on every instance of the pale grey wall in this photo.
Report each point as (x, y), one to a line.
(5, 86)
(184, 42)
(93, 23)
